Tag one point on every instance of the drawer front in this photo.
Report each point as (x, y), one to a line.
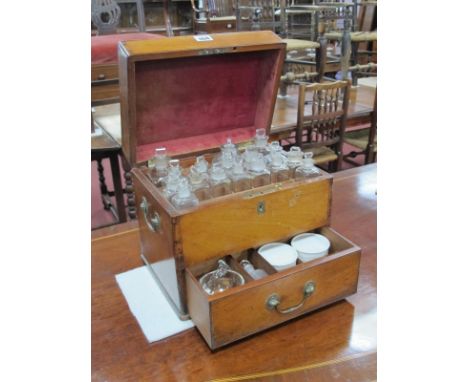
(104, 72)
(222, 26)
(241, 314)
(231, 225)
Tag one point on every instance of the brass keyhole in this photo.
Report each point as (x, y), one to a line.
(261, 208)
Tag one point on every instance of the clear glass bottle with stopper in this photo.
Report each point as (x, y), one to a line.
(274, 147)
(184, 197)
(202, 166)
(158, 166)
(199, 184)
(250, 269)
(241, 180)
(261, 141)
(173, 177)
(278, 167)
(258, 171)
(227, 162)
(229, 147)
(307, 169)
(294, 160)
(219, 182)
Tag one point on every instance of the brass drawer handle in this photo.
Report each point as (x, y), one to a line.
(101, 76)
(153, 222)
(274, 300)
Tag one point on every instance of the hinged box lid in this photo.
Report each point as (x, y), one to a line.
(190, 94)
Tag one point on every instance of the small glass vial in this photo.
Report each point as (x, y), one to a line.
(202, 166)
(294, 160)
(229, 147)
(278, 168)
(258, 171)
(241, 180)
(261, 141)
(250, 269)
(159, 166)
(173, 177)
(307, 169)
(219, 182)
(199, 184)
(227, 162)
(184, 197)
(248, 155)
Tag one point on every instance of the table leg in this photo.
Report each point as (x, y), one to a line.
(131, 203)
(102, 185)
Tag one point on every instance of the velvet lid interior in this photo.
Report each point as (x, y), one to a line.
(195, 103)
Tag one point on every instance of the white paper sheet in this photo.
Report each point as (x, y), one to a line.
(148, 304)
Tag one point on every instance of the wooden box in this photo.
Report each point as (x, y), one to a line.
(159, 108)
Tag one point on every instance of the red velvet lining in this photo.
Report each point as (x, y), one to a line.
(199, 143)
(104, 48)
(196, 102)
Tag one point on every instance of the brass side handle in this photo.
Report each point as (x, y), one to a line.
(154, 221)
(274, 300)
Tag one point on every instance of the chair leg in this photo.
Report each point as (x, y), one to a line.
(102, 185)
(354, 61)
(131, 203)
(118, 191)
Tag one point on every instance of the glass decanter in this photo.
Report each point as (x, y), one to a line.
(250, 269)
(219, 182)
(294, 159)
(241, 180)
(199, 184)
(278, 168)
(258, 171)
(307, 169)
(158, 166)
(221, 279)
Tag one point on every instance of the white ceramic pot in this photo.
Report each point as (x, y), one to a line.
(281, 256)
(310, 246)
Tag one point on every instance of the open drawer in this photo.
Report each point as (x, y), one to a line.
(260, 304)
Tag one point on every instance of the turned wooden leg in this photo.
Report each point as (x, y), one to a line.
(102, 185)
(118, 191)
(354, 61)
(131, 203)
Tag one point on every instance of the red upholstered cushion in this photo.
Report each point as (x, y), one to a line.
(104, 48)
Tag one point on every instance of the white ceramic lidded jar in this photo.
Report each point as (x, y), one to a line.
(280, 255)
(310, 246)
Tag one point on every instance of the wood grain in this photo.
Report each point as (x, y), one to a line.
(288, 352)
(240, 312)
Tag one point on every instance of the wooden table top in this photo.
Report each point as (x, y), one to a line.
(337, 342)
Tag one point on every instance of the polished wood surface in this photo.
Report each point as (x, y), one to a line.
(334, 343)
(241, 312)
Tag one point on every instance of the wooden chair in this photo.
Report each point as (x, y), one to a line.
(216, 16)
(321, 121)
(364, 139)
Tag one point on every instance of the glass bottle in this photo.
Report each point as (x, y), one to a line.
(184, 197)
(248, 155)
(250, 269)
(199, 184)
(219, 182)
(159, 166)
(260, 174)
(294, 159)
(229, 147)
(307, 169)
(227, 161)
(221, 279)
(274, 147)
(173, 177)
(202, 166)
(278, 167)
(261, 141)
(241, 180)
